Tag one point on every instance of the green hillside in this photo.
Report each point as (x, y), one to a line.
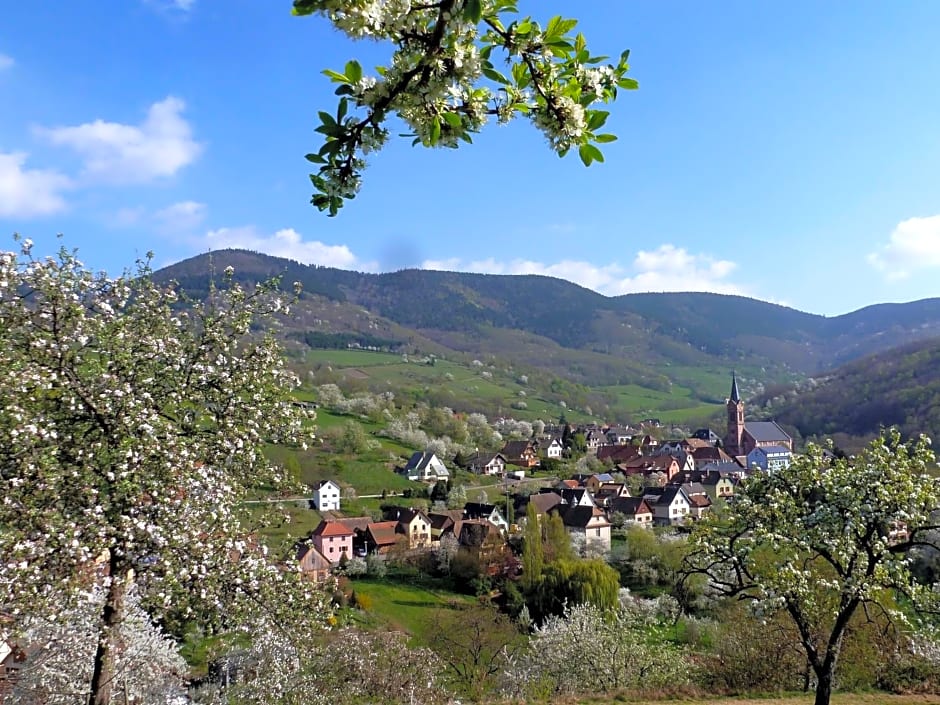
(900, 387)
(671, 352)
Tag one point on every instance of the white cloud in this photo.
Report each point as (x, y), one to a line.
(159, 147)
(29, 192)
(284, 243)
(181, 217)
(6, 62)
(914, 244)
(667, 268)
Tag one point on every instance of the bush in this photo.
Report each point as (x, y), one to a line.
(363, 602)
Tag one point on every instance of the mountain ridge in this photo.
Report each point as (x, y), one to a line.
(591, 338)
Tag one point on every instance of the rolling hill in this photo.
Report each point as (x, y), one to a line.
(544, 326)
(898, 387)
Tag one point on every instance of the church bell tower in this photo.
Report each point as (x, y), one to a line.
(735, 436)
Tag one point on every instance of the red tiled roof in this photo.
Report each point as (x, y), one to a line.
(332, 528)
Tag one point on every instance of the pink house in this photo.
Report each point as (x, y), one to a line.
(333, 539)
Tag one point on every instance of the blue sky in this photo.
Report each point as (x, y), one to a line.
(785, 151)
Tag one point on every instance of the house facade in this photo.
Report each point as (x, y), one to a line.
(326, 496)
(589, 524)
(334, 540)
(423, 466)
(670, 504)
(486, 463)
(521, 453)
(635, 510)
(769, 458)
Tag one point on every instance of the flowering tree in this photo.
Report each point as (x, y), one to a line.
(131, 429)
(148, 669)
(602, 650)
(823, 539)
(345, 666)
(444, 81)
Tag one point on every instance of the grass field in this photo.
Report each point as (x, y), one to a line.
(459, 385)
(404, 606)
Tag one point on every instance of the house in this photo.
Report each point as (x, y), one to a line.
(358, 526)
(554, 449)
(490, 512)
(589, 524)
(546, 501)
(743, 437)
(521, 453)
(594, 438)
(334, 540)
(635, 509)
(594, 482)
(313, 564)
(326, 496)
(618, 453)
(670, 504)
(709, 454)
(382, 537)
(769, 458)
(649, 465)
(486, 463)
(707, 435)
(718, 485)
(619, 436)
(484, 541)
(700, 504)
(424, 466)
(680, 452)
(609, 491)
(416, 526)
(443, 522)
(577, 497)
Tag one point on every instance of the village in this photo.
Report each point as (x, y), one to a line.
(648, 483)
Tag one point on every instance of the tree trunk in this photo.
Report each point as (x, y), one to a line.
(112, 615)
(823, 687)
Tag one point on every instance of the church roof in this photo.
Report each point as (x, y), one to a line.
(735, 395)
(765, 431)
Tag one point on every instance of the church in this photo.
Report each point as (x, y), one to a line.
(744, 437)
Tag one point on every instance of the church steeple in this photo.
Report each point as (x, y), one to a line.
(735, 407)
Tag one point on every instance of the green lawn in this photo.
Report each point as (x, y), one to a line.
(404, 606)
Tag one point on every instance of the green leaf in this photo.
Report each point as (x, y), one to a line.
(605, 138)
(315, 158)
(335, 75)
(596, 118)
(341, 109)
(435, 131)
(326, 118)
(473, 10)
(629, 84)
(353, 71)
(580, 44)
(589, 153)
(453, 119)
(523, 27)
(495, 75)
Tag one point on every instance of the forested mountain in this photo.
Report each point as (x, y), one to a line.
(567, 329)
(899, 387)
